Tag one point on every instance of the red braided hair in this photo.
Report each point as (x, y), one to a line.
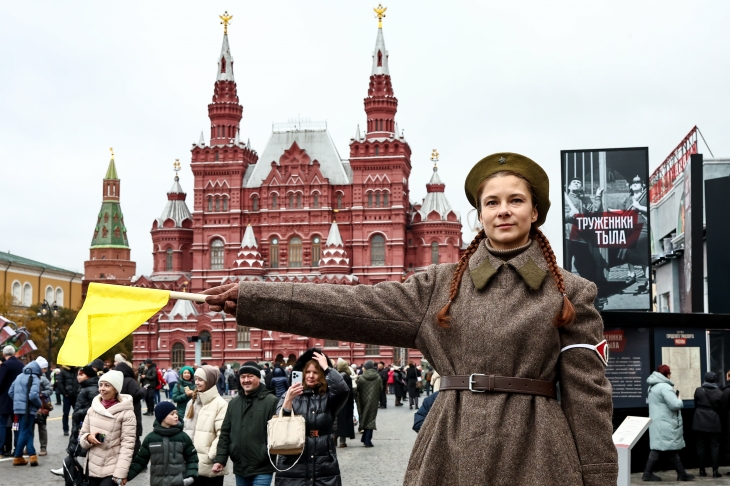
(564, 317)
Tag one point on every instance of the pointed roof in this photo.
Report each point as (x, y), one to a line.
(436, 199)
(357, 133)
(202, 139)
(249, 240)
(184, 309)
(176, 209)
(334, 238)
(380, 55)
(225, 62)
(111, 172)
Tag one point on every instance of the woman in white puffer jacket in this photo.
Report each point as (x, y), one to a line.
(111, 419)
(203, 420)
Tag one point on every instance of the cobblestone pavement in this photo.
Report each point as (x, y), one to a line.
(383, 465)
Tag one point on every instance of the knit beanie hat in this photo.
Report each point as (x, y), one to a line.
(250, 368)
(42, 362)
(209, 374)
(190, 370)
(342, 365)
(163, 409)
(114, 378)
(88, 371)
(369, 365)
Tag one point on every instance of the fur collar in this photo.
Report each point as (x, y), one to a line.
(530, 265)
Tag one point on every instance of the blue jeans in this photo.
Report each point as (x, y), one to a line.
(25, 441)
(66, 411)
(259, 480)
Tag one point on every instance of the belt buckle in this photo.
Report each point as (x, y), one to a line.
(314, 433)
(472, 382)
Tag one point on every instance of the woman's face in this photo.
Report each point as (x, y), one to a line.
(186, 375)
(311, 376)
(106, 390)
(199, 384)
(507, 212)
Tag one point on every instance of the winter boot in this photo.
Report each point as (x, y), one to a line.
(703, 472)
(19, 461)
(716, 473)
(650, 477)
(33, 460)
(685, 477)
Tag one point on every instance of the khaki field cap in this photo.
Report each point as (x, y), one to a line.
(515, 163)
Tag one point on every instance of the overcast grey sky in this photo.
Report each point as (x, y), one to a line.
(471, 79)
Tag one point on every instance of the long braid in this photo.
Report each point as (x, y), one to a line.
(443, 316)
(567, 314)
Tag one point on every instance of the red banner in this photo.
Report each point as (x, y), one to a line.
(616, 229)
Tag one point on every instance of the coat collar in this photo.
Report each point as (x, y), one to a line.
(125, 403)
(208, 395)
(530, 265)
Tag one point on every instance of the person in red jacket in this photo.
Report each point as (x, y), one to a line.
(160, 383)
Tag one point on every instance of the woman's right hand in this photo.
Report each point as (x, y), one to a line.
(223, 298)
(294, 391)
(91, 439)
(188, 392)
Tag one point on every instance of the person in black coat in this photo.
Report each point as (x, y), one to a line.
(9, 371)
(412, 375)
(383, 372)
(131, 387)
(149, 381)
(318, 399)
(399, 386)
(88, 389)
(420, 415)
(725, 419)
(69, 386)
(707, 424)
(346, 416)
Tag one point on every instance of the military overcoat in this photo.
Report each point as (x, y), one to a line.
(502, 324)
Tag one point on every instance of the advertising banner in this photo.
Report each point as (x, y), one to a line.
(628, 365)
(685, 352)
(606, 221)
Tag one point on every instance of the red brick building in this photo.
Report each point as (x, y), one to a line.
(296, 213)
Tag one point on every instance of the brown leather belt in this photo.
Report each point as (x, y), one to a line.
(479, 383)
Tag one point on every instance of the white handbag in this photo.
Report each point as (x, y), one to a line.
(286, 436)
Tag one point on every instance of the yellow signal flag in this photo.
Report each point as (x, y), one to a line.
(109, 314)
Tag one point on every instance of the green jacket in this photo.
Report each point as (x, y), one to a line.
(243, 433)
(369, 386)
(179, 397)
(172, 454)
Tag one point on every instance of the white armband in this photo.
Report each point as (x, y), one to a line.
(601, 349)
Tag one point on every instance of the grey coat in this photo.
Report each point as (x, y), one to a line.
(666, 431)
(502, 324)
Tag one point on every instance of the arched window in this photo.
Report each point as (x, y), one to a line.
(255, 203)
(435, 253)
(339, 201)
(206, 346)
(316, 251)
(178, 355)
(372, 350)
(385, 199)
(273, 201)
(216, 254)
(168, 259)
(225, 204)
(274, 253)
(377, 150)
(291, 201)
(59, 296)
(295, 252)
(49, 294)
(223, 64)
(370, 199)
(299, 200)
(17, 293)
(210, 204)
(243, 337)
(377, 251)
(216, 152)
(27, 295)
(217, 204)
(377, 199)
(315, 200)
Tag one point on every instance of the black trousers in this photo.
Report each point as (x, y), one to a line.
(107, 481)
(383, 398)
(367, 437)
(705, 440)
(205, 481)
(150, 399)
(654, 457)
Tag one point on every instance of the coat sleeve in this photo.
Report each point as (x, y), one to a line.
(224, 440)
(35, 392)
(671, 399)
(220, 416)
(337, 390)
(136, 391)
(586, 392)
(420, 415)
(85, 430)
(140, 460)
(389, 313)
(191, 458)
(128, 438)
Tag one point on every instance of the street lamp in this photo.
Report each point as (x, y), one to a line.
(50, 311)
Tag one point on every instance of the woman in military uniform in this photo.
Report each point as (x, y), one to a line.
(501, 326)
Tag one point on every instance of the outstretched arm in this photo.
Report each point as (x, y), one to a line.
(389, 313)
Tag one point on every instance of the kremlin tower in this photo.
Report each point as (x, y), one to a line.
(109, 255)
(298, 212)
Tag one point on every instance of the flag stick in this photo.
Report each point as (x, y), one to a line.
(188, 296)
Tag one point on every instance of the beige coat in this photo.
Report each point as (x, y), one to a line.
(501, 325)
(205, 428)
(114, 456)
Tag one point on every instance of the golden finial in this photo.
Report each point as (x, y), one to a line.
(111, 149)
(380, 13)
(226, 19)
(434, 156)
(176, 165)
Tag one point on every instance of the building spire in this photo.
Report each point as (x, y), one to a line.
(381, 104)
(225, 60)
(225, 111)
(225, 20)
(111, 172)
(380, 54)
(380, 14)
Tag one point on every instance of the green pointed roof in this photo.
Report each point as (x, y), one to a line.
(110, 231)
(111, 172)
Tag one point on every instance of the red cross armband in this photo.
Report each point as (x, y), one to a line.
(601, 349)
